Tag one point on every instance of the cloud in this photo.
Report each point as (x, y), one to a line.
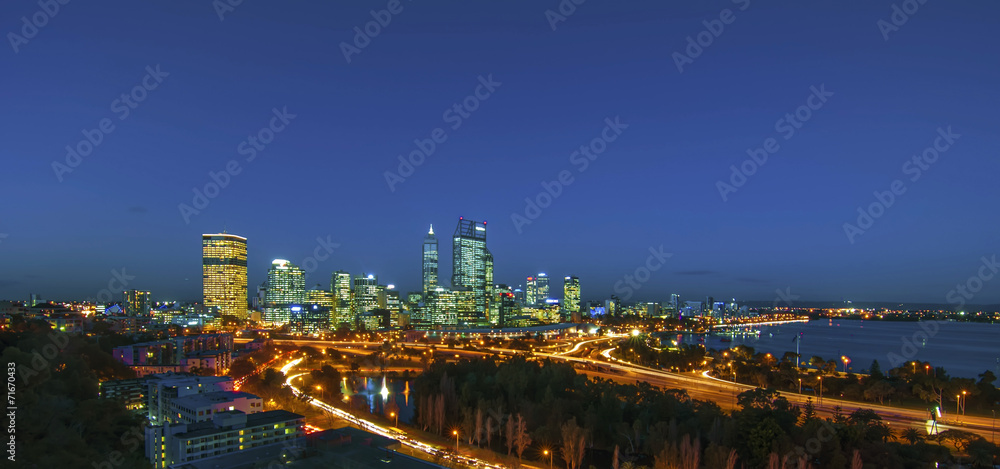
(4, 283)
(751, 280)
(696, 272)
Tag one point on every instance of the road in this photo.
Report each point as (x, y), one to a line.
(698, 386)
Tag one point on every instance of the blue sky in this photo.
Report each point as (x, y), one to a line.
(324, 173)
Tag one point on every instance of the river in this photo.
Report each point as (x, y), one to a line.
(965, 349)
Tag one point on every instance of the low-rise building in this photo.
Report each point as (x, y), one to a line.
(223, 441)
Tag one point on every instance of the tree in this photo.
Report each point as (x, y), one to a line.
(573, 439)
(879, 391)
(960, 438)
(510, 434)
(875, 371)
(912, 435)
(522, 439)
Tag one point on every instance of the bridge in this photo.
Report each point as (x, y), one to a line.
(762, 323)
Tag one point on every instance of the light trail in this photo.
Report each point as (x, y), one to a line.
(387, 432)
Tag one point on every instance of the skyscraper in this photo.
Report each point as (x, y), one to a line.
(472, 263)
(136, 303)
(571, 294)
(541, 289)
(224, 273)
(430, 261)
(366, 290)
(531, 291)
(286, 286)
(340, 284)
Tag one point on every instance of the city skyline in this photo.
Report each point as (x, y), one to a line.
(585, 143)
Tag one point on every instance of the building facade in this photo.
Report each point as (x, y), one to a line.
(571, 295)
(224, 273)
(286, 286)
(430, 261)
(472, 262)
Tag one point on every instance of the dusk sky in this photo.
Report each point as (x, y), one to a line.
(890, 93)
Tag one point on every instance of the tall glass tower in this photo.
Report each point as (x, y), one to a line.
(286, 289)
(340, 284)
(472, 263)
(224, 273)
(430, 261)
(571, 294)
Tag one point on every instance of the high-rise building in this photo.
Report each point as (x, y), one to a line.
(224, 273)
(340, 284)
(541, 289)
(675, 301)
(318, 296)
(531, 291)
(571, 295)
(286, 286)
(430, 261)
(136, 303)
(365, 293)
(472, 263)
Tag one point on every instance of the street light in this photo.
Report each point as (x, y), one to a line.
(549, 454)
(393, 415)
(455, 432)
(800, 385)
(821, 391)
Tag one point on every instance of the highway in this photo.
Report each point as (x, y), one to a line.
(698, 386)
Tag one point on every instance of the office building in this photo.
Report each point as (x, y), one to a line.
(472, 262)
(255, 437)
(224, 274)
(365, 293)
(571, 295)
(430, 261)
(340, 284)
(136, 303)
(309, 319)
(286, 286)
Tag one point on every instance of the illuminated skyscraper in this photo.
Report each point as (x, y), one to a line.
(340, 284)
(366, 290)
(286, 287)
(531, 291)
(472, 263)
(430, 261)
(224, 273)
(542, 292)
(136, 303)
(571, 295)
